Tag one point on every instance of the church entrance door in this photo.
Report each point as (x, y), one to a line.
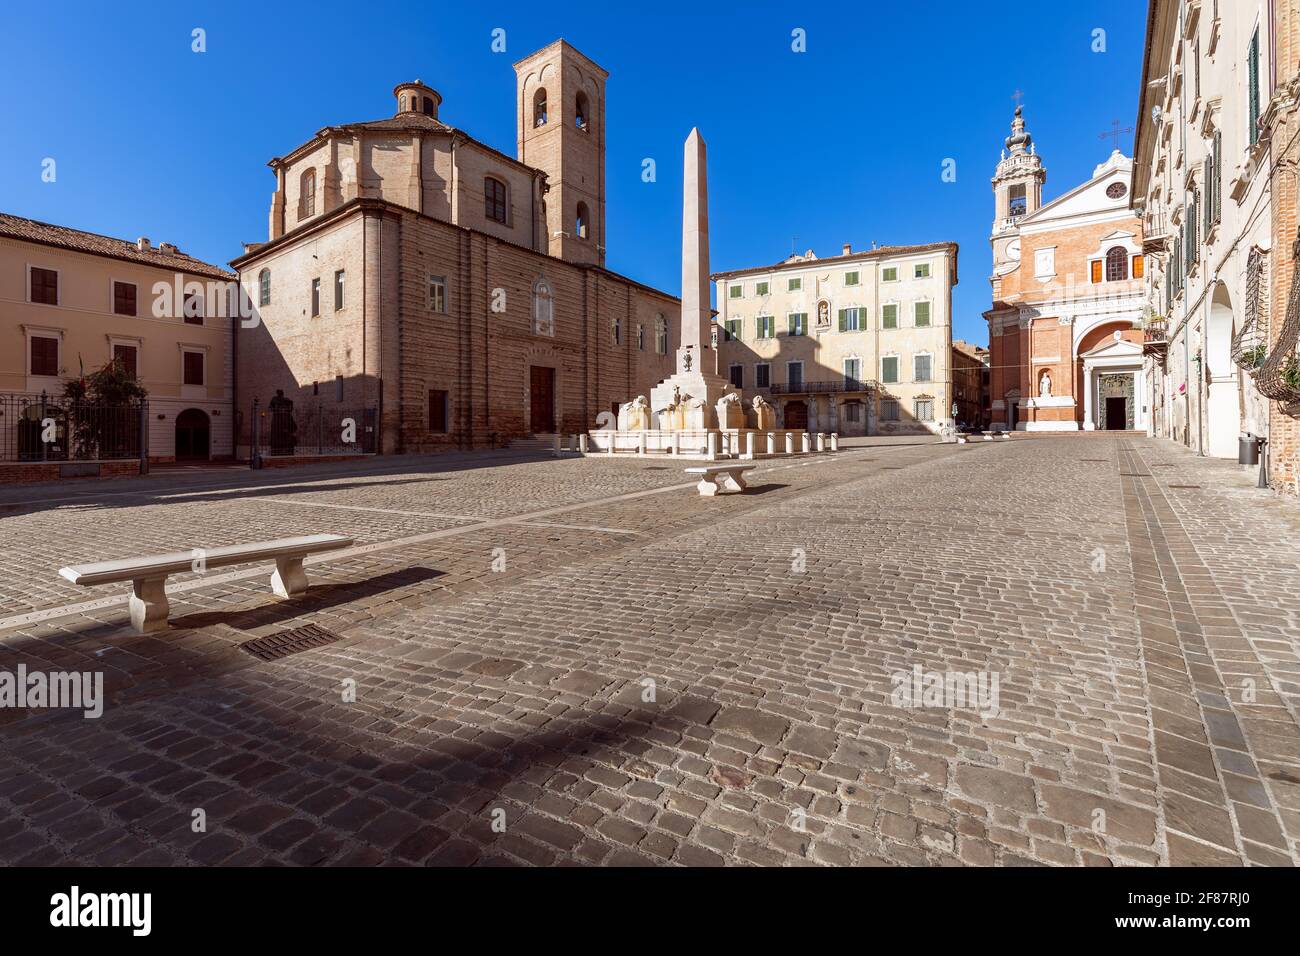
(541, 400)
(1116, 413)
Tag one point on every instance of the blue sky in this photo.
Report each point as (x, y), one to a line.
(842, 143)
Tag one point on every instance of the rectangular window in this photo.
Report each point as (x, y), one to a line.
(45, 286)
(736, 375)
(925, 409)
(798, 323)
(45, 355)
(851, 320)
(1252, 81)
(760, 288)
(494, 199)
(338, 388)
(735, 291)
(731, 329)
(920, 368)
(921, 314)
(125, 356)
(853, 411)
(1139, 267)
(437, 294)
(192, 368)
(889, 274)
(850, 278)
(616, 330)
(889, 410)
(766, 326)
(193, 309)
(889, 316)
(338, 290)
(921, 271)
(889, 369)
(794, 285)
(640, 337)
(124, 301)
(794, 375)
(1095, 267)
(1017, 203)
(762, 375)
(852, 373)
(315, 297)
(438, 411)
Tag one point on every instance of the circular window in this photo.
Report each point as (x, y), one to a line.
(1116, 190)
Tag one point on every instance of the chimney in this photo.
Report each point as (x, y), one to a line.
(142, 243)
(167, 248)
(848, 249)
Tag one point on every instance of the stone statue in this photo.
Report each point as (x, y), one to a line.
(635, 415)
(764, 414)
(1045, 386)
(686, 360)
(730, 412)
(823, 313)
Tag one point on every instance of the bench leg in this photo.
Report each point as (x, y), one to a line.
(707, 486)
(732, 481)
(149, 607)
(289, 578)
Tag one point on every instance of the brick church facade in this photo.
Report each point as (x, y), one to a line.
(1065, 327)
(460, 291)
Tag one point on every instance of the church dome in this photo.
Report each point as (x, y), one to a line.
(417, 98)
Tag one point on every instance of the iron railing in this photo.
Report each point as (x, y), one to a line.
(284, 429)
(36, 428)
(820, 388)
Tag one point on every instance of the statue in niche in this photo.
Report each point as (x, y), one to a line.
(823, 313)
(1045, 385)
(686, 360)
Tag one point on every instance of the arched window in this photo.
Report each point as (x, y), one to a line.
(543, 308)
(661, 334)
(494, 199)
(539, 107)
(428, 106)
(582, 112)
(405, 105)
(1116, 264)
(307, 194)
(1017, 201)
(264, 287)
(582, 224)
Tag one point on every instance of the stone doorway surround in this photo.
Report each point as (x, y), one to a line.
(1113, 357)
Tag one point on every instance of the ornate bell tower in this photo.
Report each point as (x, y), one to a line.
(1018, 190)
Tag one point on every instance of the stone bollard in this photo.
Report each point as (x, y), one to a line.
(771, 443)
(582, 443)
(821, 441)
(835, 441)
(789, 443)
(673, 448)
(713, 446)
(556, 450)
(640, 446)
(613, 440)
(749, 445)
(806, 442)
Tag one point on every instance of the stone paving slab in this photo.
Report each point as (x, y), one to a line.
(711, 681)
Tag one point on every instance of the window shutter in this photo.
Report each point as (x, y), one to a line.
(844, 320)
(1209, 199)
(1217, 197)
(1252, 59)
(1096, 271)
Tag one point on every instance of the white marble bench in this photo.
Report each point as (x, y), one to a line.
(148, 575)
(996, 433)
(722, 478)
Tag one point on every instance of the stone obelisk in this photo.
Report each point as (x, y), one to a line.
(696, 382)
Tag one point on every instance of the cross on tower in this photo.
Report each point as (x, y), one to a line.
(1116, 132)
(1018, 96)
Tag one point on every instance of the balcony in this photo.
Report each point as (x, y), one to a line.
(824, 388)
(1155, 336)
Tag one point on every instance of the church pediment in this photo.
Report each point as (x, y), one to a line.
(1113, 349)
(1107, 191)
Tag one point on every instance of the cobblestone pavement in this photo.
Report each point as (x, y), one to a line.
(622, 672)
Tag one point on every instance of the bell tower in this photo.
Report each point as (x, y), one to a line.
(1018, 191)
(560, 124)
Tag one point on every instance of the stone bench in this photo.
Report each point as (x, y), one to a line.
(995, 433)
(723, 478)
(148, 575)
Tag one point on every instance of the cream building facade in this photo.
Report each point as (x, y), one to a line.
(73, 300)
(1203, 187)
(859, 343)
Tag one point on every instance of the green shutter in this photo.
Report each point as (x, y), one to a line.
(844, 320)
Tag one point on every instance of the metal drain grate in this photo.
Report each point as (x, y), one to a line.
(1099, 461)
(294, 641)
(1183, 486)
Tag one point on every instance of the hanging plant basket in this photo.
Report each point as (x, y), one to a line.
(1278, 377)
